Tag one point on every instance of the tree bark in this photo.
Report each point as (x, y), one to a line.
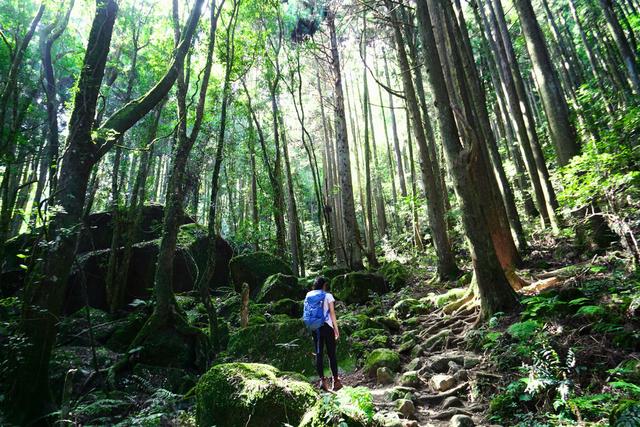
(495, 292)
(562, 132)
(447, 267)
(352, 244)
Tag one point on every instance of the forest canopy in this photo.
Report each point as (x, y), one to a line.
(175, 174)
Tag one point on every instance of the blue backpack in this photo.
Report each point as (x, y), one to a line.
(314, 315)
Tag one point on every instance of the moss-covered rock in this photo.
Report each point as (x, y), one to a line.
(409, 307)
(279, 286)
(357, 287)
(254, 269)
(333, 271)
(359, 321)
(395, 274)
(350, 407)
(251, 394)
(286, 306)
(286, 345)
(381, 357)
(389, 323)
(370, 338)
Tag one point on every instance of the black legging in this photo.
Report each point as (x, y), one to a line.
(325, 333)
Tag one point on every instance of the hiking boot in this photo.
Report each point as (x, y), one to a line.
(324, 384)
(337, 385)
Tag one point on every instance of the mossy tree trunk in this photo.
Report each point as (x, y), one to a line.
(496, 294)
(46, 286)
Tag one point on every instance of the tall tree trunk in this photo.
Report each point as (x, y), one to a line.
(562, 132)
(447, 267)
(11, 81)
(371, 246)
(394, 127)
(628, 57)
(352, 244)
(46, 287)
(495, 292)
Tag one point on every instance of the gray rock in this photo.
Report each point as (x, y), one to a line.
(461, 375)
(406, 408)
(440, 362)
(384, 375)
(387, 420)
(453, 367)
(398, 392)
(461, 421)
(442, 382)
(451, 402)
(410, 379)
(414, 365)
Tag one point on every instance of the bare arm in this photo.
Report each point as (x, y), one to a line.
(332, 313)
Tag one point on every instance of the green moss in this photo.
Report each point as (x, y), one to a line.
(254, 269)
(395, 274)
(286, 306)
(126, 331)
(358, 287)
(389, 323)
(359, 321)
(285, 345)
(441, 300)
(409, 307)
(333, 271)
(251, 394)
(350, 407)
(279, 286)
(189, 234)
(381, 357)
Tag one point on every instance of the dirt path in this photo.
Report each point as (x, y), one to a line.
(446, 378)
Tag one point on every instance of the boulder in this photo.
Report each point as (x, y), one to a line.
(414, 365)
(381, 357)
(409, 307)
(357, 287)
(285, 345)
(333, 271)
(254, 269)
(442, 382)
(384, 375)
(99, 231)
(461, 421)
(251, 394)
(440, 362)
(406, 408)
(91, 270)
(280, 286)
(286, 306)
(452, 402)
(395, 274)
(352, 407)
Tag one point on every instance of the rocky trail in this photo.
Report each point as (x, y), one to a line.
(435, 383)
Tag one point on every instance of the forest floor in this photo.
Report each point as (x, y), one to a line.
(570, 356)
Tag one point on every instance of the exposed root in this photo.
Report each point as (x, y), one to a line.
(514, 280)
(453, 306)
(541, 285)
(435, 399)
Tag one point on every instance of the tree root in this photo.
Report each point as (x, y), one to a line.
(541, 285)
(435, 399)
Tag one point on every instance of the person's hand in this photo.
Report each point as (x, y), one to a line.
(336, 333)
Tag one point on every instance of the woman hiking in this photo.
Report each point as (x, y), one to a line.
(320, 317)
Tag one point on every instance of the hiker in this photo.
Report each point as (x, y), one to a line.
(320, 317)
